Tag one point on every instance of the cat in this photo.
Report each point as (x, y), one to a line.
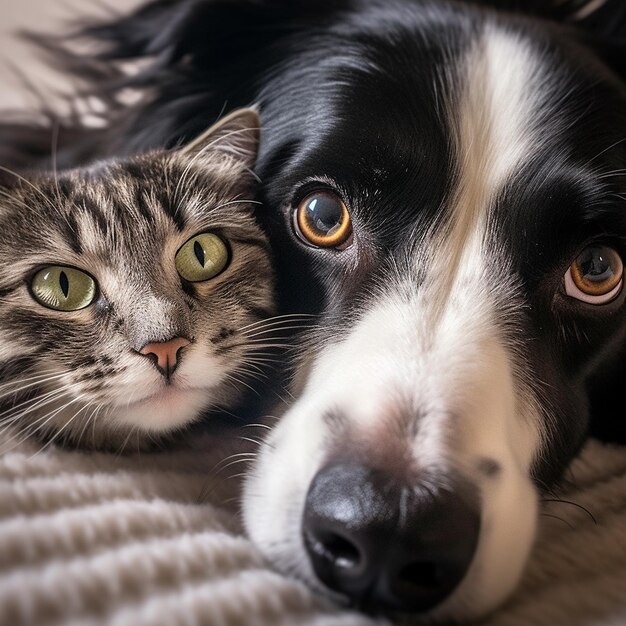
(133, 292)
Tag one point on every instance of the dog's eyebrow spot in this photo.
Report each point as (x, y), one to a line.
(489, 467)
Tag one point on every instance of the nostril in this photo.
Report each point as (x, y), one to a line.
(337, 549)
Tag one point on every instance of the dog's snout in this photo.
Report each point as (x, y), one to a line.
(388, 546)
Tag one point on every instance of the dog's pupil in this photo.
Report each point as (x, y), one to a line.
(596, 266)
(324, 213)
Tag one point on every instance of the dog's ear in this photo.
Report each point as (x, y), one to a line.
(236, 134)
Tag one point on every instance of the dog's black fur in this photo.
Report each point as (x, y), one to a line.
(347, 95)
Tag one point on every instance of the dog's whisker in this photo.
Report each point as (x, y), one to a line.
(558, 518)
(575, 504)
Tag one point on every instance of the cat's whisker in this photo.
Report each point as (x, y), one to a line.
(56, 127)
(235, 476)
(31, 185)
(10, 417)
(261, 359)
(237, 381)
(36, 381)
(93, 426)
(262, 342)
(13, 199)
(124, 443)
(251, 378)
(286, 391)
(218, 467)
(256, 442)
(231, 202)
(57, 434)
(51, 415)
(26, 431)
(277, 319)
(32, 427)
(278, 329)
(206, 490)
(275, 418)
(91, 415)
(27, 403)
(255, 350)
(257, 426)
(40, 374)
(250, 368)
(237, 462)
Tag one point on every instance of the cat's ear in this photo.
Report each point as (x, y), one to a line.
(236, 134)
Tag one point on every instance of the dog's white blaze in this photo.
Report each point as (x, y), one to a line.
(435, 350)
(501, 421)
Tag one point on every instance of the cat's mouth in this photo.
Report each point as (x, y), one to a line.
(168, 408)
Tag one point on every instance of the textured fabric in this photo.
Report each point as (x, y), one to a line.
(153, 539)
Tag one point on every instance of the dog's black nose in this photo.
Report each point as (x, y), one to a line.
(385, 545)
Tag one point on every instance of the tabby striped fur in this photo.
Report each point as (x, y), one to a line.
(78, 376)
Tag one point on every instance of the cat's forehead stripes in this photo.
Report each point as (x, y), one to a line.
(115, 204)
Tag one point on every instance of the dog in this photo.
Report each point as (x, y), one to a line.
(444, 186)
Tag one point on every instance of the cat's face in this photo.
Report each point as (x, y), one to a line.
(129, 291)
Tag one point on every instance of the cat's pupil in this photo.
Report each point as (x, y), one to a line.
(65, 284)
(199, 251)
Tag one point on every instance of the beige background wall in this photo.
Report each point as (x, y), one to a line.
(38, 15)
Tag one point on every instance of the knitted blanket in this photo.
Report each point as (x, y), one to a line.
(155, 539)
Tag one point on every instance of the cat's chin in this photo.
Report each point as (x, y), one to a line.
(167, 410)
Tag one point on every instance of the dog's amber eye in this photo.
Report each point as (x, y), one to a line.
(322, 220)
(595, 276)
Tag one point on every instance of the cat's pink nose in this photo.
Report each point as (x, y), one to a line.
(165, 354)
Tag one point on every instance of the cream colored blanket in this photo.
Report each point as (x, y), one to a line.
(154, 539)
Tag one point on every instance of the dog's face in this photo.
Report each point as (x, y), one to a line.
(446, 186)
(455, 184)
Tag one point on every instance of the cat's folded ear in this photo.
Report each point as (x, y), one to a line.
(236, 134)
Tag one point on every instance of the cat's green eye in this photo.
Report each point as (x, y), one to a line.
(201, 258)
(63, 288)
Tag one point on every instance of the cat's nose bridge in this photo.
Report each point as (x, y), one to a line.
(156, 319)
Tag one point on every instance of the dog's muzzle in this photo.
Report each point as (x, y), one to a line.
(385, 545)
